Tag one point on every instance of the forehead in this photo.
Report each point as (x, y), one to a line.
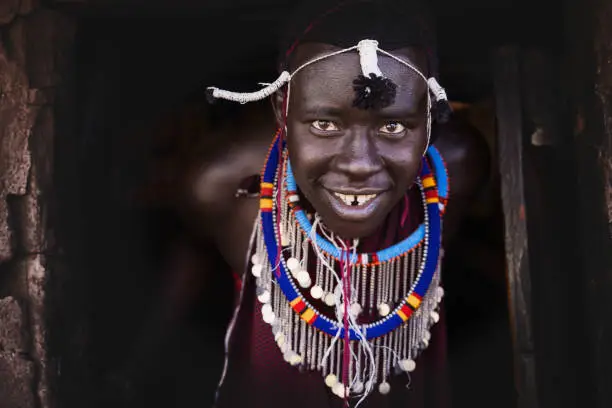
(330, 80)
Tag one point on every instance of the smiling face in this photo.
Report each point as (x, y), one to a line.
(354, 165)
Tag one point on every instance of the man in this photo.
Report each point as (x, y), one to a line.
(353, 110)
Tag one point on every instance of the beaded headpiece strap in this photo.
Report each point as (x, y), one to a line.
(373, 89)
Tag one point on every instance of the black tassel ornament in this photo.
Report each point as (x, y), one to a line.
(442, 111)
(373, 92)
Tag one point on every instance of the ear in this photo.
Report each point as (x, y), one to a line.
(277, 100)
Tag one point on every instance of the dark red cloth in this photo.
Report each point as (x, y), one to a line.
(258, 376)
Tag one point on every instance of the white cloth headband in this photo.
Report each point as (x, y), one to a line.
(368, 58)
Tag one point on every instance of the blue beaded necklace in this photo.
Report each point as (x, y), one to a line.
(434, 193)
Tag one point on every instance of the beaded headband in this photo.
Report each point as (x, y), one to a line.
(373, 90)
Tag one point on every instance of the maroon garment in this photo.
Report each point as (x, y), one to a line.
(258, 376)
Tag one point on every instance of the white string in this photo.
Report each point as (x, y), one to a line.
(321, 57)
(432, 85)
(428, 124)
(396, 357)
(339, 294)
(232, 324)
(404, 62)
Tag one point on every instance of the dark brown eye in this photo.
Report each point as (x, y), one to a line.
(392, 128)
(324, 125)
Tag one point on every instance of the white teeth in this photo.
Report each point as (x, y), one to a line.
(355, 199)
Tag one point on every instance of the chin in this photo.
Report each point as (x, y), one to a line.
(354, 221)
(349, 230)
(358, 232)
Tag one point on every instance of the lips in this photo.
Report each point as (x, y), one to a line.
(355, 199)
(354, 206)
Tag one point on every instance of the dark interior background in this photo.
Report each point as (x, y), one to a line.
(138, 61)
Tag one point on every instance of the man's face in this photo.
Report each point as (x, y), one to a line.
(354, 165)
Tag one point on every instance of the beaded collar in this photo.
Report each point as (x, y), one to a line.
(309, 338)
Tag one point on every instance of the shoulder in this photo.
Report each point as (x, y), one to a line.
(466, 154)
(228, 155)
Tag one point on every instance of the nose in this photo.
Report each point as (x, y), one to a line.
(359, 159)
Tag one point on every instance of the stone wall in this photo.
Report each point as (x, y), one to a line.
(34, 47)
(600, 283)
(603, 90)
